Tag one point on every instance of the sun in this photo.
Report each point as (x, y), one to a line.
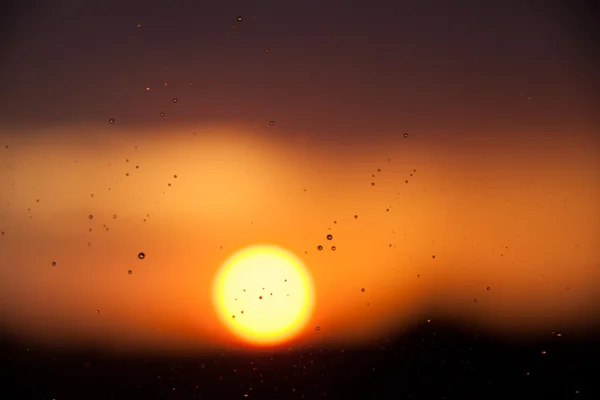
(264, 295)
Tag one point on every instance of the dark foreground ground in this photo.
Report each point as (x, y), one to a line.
(432, 361)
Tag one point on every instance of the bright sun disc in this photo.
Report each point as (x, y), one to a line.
(263, 294)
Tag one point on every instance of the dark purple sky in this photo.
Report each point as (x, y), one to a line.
(378, 65)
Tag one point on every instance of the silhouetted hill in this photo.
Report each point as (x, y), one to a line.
(432, 361)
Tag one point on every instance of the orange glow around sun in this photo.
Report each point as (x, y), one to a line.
(264, 295)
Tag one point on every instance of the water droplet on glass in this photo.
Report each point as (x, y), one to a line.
(355, 216)
(267, 50)
(260, 297)
(475, 300)
(333, 248)
(162, 114)
(114, 217)
(91, 216)
(240, 19)
(175, 176)
(54, 263)
(372, 183)
(271, 123)
(433, 256)
(175, 100)
(362, 290)
(329, 237)
(141, 256)
(190, 83)
(111, 121)
(130, 272)
(97, 311)
(378, 169)
(319, 247)
(147, 89)
(405, 135)
(318, 328)
(488, 288)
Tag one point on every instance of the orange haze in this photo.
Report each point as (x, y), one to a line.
(517, 214)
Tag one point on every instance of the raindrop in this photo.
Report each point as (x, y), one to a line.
(147, 89)
(175, 176)
(97, 311)
(271, 123)
(372, 183)
(409, 81)
(318, 328)
(175, 100)
(488, 288)
(115, 216)
(405, 135)
(162, 114)
(355, 216)
(433, 256)
(267, 50)
(190, 83)
(378, 169)
(260, 297)
(362, 290)
(333, 248)
(319, 247)
(475, 300)
(54, 263)
(329, 237)
(130, 272)
(141, 256)
(119, 54)
(543, 352)
(240, 19)
(111, 121)
(91, 216)
(335, 222)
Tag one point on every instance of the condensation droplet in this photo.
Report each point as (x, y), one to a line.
(240, 19)
(372, 183)
(175, 100)
(130, 272)
(333, 248)
(355, 216)
(488, 288)
(162, 114)
(111, 121)
(54, 263)
(329, 237)
(405, 135)
(319, 247)
(318, 328)
(91, 216)
(271, 123)
(475, 300)
(267, 50)
(141, 256)
(97, 311)
(362, 290)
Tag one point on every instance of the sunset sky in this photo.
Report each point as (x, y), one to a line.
(451, 150)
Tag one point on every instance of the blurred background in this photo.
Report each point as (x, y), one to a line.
(451, 149)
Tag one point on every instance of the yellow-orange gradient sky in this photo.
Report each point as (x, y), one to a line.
(516, 214)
